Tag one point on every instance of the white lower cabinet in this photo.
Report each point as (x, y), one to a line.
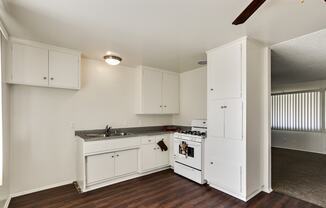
(108, 165)
(104, 162)
(100, 167)
(148, 157)
(151, 154)
(126, 162)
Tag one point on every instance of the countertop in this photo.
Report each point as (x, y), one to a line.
(132, 132)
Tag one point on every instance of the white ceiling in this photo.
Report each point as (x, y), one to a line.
(170, 34)
(300, 59)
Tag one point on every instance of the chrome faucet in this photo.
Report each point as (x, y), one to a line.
(107, 131)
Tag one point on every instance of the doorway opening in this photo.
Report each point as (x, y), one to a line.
(298, 108)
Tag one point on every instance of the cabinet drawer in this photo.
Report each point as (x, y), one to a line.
(163, 137)
(148, 140)
(105, 145)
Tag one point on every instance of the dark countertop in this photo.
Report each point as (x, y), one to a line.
(132, 132)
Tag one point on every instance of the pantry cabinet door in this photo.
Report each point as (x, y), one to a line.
(64, 70)
(215, 119)
(225, 72)
(99, 167)
(29, 65)
(233, 119)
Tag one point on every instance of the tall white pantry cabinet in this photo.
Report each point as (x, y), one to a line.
(235, 114)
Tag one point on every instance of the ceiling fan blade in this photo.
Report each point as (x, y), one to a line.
(253, 6)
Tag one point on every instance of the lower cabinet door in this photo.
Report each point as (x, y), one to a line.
(99, 167)
(148, 154)
(162, 156)
(224, 175)
(126, 162)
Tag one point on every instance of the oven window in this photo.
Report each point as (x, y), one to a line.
(184, 149)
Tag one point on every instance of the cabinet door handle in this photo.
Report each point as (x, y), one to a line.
(211, 163)
(212, 89)
(165, 106)
(112, 156)
(117, 155)
(52, 78)
(44, 78)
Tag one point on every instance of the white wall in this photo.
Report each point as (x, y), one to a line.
(43, 122)
(193, 96)
(4, 188)
(305, 141)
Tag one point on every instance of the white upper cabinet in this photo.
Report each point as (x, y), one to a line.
(63, 70)
(158, 92)
(152, 91)
(29, 65)
(170, 93)
(225, 72)
(39, 64)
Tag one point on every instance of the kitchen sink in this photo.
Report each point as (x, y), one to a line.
(112, 134)
(120, 134)
(95, 135)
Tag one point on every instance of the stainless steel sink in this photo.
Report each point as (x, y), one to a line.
(112, 134)
(95, 135)
(120, 134)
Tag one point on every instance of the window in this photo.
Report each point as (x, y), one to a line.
(297, 111)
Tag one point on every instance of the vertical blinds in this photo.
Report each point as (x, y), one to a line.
(297, 111)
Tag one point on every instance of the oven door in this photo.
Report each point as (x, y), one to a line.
(187, 153)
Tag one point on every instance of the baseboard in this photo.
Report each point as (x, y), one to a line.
(253, 194)
(301, 150)
(268, 190)
(40, 189)
(228, 192)
(122, 179)
(7, 202)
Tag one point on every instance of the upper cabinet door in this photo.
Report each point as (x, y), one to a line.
(170, 93)
(29, 65)
(151, 91)
(64, 70)
(225, 72)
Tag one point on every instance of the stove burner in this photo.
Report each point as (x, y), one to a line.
(195, 133)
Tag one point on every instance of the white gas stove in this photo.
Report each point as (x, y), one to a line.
(189, 151)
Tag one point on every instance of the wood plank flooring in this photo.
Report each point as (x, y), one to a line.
(162, 189)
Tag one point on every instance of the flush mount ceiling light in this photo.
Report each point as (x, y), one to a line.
(112, 60)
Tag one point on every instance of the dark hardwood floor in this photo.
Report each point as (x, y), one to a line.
(162, 189)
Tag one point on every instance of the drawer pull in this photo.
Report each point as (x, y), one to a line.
(212, 163)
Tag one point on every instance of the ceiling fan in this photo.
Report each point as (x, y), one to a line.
(250, 10)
